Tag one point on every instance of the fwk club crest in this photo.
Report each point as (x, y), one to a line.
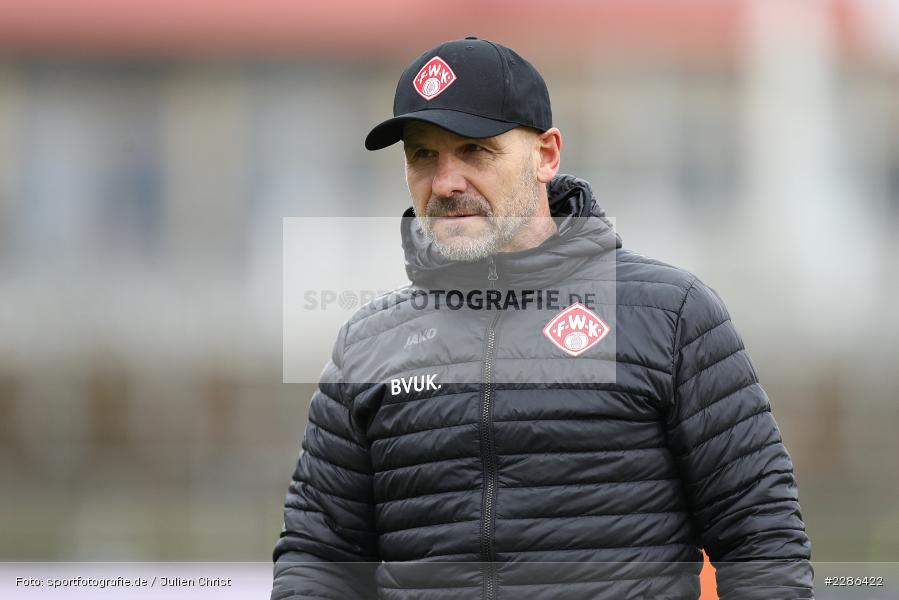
(433, 78)
(576, 329)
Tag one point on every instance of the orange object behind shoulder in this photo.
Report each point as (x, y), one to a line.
(707, 580)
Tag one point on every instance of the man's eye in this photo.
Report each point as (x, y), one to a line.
(473, 148)
(423, 153)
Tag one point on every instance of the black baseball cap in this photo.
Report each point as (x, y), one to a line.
(472, 87)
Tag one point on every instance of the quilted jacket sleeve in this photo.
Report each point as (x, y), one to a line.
(737, 475)
(328, 544)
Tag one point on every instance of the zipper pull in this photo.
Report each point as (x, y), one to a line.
(492, 275)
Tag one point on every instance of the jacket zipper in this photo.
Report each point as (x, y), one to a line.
(488, 452)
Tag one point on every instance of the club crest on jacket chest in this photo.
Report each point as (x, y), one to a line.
(576, 329)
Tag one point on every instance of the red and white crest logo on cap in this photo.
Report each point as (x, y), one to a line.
(576, 329)
(433, 78)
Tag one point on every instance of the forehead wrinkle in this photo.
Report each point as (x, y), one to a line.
(415, 141)
(418, 135)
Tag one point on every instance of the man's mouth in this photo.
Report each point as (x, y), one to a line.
(460, 215)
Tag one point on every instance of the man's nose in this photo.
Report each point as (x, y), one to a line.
(448, 177)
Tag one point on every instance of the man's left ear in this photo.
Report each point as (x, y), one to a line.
(549, 148)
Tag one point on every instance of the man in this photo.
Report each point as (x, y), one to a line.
(540, 413)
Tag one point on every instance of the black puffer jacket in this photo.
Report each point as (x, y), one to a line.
(461, 453)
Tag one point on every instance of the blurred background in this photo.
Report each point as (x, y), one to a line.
(150, 150)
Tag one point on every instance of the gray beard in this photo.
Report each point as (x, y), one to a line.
(500, 231)
(522, 204)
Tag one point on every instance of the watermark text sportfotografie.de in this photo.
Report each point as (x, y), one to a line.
(438, 299)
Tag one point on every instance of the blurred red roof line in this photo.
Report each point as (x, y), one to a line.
(354, 28)
(571, 30)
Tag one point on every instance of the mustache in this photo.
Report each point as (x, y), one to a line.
(455, 205)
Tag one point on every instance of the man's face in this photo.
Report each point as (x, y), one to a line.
(472, 196)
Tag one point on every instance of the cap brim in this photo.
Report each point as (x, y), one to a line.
(464, 124)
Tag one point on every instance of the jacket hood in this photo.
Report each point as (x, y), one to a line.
(583, 232)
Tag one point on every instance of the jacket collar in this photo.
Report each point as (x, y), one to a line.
(583, 232)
